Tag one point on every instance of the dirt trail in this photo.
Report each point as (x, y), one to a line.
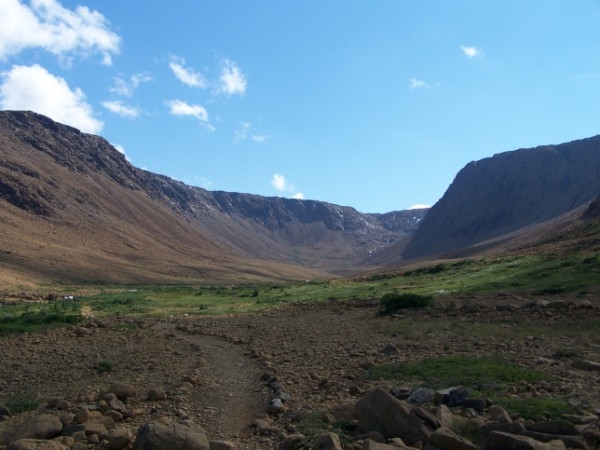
(230, 395)
(63, 363)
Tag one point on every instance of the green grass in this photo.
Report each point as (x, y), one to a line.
(537, 408)
(38, 316)
(525, 274)
(479, 373)
(22, 403)
(104, 366)
(483, 376)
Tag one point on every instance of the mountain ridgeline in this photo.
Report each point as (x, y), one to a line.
(73, 207)
(496, 196)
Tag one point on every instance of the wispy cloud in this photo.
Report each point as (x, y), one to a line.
(281, 184)
(471, 52)
(245, 131)
(419, 206)
(418, 84)
(232, 80)
(185, 74)
(117, 107)
(196, 180)
(181, 108)
(34, 88)
(48, 25)
(126, 87)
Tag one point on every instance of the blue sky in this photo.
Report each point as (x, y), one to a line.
(372, 105)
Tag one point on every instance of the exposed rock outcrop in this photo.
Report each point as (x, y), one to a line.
(511, 190)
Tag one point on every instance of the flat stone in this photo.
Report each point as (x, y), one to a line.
(584, 364)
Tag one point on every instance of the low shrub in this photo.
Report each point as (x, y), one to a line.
(393, 302)
(22, 403)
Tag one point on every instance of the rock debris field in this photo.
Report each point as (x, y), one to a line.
(300, 377)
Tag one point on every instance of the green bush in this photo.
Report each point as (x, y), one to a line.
(22, 403)
(393, 302)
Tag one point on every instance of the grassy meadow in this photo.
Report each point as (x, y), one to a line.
(571, 265)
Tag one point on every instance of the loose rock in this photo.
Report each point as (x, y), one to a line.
(173, 436)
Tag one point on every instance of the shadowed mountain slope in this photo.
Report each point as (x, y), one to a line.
(499, 195)
(73, 209)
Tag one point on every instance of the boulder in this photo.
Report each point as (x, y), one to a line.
(222, 445)
(380, 411)
(58, 403)
(120, 438)
(421, 396)
(445, 439)
(173, 436)
(263, 426)
(584, 364)
(498, 440)
(156, 393)
(82, 414)
(79, 446)
(36, 444)
(570, 441)
(4, 411)
(45, 426)
(453, 396)
(123, 390)
(591, 433)
(498, 414)
(554, 427)
(326, 441)
(374, 445)
(477, 404)
(292, 441)
(444, 416)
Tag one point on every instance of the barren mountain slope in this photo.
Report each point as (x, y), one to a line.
(507, 192)
(74, 209)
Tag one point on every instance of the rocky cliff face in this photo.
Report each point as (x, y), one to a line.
(501, 194)
(593, 210)
(54, 175)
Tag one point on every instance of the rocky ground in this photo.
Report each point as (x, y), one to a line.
(251, 380)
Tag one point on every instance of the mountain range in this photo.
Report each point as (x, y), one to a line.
(74, 210)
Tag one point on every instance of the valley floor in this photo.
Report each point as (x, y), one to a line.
(320, 354)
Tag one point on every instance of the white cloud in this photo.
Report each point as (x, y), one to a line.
(126, 88)
(117, 107)
(48, 25)
(281, 184)
(186, 75)
(232, 80)
(419, 206)
(471, 52)
(418, 84)
(181, 108)
(34, 88)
